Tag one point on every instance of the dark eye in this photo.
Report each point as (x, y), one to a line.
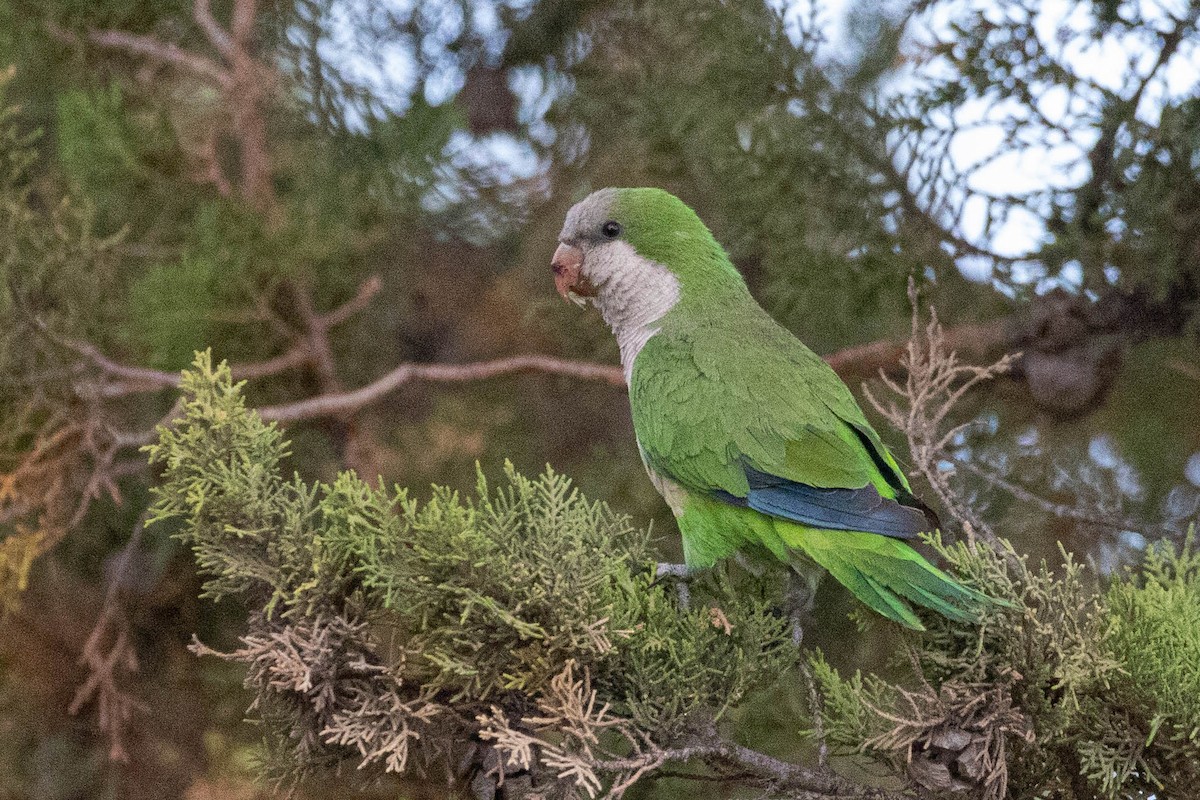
(611, 229)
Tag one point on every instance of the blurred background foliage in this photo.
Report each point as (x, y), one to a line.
(323, 190)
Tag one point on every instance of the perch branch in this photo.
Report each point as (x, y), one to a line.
(750, 767)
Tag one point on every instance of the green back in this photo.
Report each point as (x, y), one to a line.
(721, 387)
(712, 393)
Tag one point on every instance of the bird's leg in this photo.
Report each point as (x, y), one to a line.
(681, 572)
(674, 570)
(799, 596)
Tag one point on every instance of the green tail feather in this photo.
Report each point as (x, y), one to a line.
(885, 573)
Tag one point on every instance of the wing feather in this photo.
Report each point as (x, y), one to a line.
(765, 423)
(834, 509)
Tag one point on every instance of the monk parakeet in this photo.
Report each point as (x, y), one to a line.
(751, 438)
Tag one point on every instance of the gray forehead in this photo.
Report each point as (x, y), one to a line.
(586, 216)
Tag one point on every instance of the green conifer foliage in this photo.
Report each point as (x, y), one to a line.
(1077, 693)
(378, 621)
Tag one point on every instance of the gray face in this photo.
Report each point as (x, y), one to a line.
(589, 239)
(584, 226)
(595, 262)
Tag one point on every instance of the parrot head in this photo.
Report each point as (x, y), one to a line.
(634, 253)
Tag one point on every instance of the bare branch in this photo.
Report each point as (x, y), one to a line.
(1060, 510)
(295, 356)
(210, 169)
(975, 341)
(337, 404)
(245, 83)
(134, 379)
(935, 381)
(358, 452)
(244, 14)
(137, 44)
(744, 765)
(362, 298)
(566, 739)
(106, 667)
(137, 375)
(317, 335)
(220, 39)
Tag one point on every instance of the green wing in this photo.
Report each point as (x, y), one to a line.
(750, 420)
(715, 408)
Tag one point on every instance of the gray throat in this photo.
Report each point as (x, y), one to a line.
(634, 294)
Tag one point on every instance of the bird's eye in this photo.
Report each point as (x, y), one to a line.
(611, 229)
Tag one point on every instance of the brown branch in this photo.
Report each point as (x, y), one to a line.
(220, 39)
(138, 376)
(246, 85)
(295, 356)
(1054, 325)
(362, 298)
(115, 706)
(974, 341)
(317, 337)
(135, 380)
(753, 768)
(252, 84)
(357, 450)
(106, 665)
(210, 169)
(244, 14)
(338, 404)
(139, 45)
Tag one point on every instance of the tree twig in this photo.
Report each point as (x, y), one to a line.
(935, 381)
(337, 404)
(1060, 510)
(148, 46)
(751, 767)
(217, 36)
(105, 666)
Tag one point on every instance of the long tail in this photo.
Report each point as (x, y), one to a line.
(884, 573)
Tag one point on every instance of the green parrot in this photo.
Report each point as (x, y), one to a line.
(754, 442)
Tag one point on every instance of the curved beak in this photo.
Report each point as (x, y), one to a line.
(569, 280)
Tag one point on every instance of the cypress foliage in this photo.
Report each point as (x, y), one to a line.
(379, 622)
(520, 634)
(1084, 692)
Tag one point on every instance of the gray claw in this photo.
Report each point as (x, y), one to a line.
(674, 570)
(677, 571)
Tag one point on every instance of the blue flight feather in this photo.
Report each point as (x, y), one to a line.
(833, 509)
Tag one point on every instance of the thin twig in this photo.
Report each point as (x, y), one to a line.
(753, 768)
(1060, 510)
(935, 382)
(220, 39)
(106, 666)
(362, 298)
(148, 46)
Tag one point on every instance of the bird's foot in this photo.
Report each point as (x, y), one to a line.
(673, 570)
(800, 593)
(679, 571)
(797, 628)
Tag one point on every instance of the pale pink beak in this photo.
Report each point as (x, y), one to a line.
(567, 264)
